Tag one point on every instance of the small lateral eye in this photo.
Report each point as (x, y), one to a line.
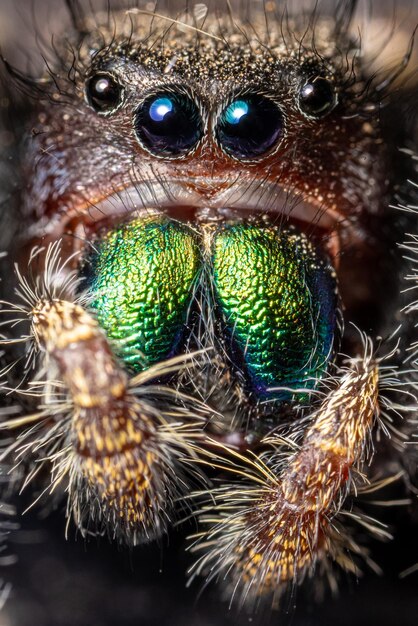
(104, 93)
(317, 97)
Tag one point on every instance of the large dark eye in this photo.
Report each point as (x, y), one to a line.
(249, 126)
(169, 124)
(317, 97)
(104, 93)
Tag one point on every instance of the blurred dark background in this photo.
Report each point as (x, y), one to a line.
(76, 582)
(91, 583)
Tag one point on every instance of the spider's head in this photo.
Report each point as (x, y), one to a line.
(186, 158)
(225, 189)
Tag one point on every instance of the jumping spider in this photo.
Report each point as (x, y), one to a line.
(205, 305)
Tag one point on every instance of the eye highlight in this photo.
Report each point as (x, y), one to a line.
(104, 94)
(249, 126)
(169, 124)
(160, 108)
(317, 97)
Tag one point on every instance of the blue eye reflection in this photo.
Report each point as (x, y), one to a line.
(236, 111)
(250, 126)
(169, 123)
(159, 109)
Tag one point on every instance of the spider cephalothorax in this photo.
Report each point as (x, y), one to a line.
(207, 202)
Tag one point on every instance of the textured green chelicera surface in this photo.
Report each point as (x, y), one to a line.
(278, 301)
(142, 276)
(275, 296)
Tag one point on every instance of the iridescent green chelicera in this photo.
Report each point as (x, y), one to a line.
(141, 280)
(275, 297)
(278, 302)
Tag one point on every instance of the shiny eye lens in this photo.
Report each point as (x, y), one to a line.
(250, 126)
(169, 124)
(104, 93)
(278, 301)
(140, 278)
(317, 97)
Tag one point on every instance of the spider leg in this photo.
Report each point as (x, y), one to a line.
(124, 458)
(270, 529)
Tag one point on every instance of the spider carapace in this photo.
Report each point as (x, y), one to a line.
(203, 294)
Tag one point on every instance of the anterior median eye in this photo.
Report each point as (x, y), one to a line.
(278, 300)
(169, 124)
(140, 279)
(249, 126)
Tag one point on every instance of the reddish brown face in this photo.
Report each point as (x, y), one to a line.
(216, 132)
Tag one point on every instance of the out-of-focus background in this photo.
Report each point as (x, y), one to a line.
(23, 21)
(73, 582)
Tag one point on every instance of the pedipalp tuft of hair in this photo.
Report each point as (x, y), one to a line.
(123, 449)
(272, 528)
